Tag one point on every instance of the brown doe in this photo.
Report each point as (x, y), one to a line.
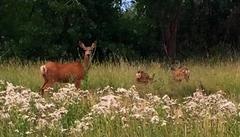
(143, 77)
(53, 72)
(180, 73)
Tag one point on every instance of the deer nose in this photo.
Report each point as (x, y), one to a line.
(87, 54)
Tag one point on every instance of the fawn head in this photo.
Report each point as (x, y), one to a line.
(139, 74)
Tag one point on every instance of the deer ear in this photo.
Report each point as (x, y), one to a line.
(81, 45)
(94, 44)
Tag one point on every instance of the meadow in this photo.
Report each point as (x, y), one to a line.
(109, 105)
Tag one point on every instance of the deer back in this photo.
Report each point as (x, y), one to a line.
(63, 72)
(180, 73)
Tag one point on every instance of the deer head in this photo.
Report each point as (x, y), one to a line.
(143, 77)
(87, 50)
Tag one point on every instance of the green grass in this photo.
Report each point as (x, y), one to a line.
(27, 75)
(104, 127)
(213, 75)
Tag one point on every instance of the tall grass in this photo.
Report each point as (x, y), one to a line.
(213, 76)
(110, 128)
(26, 74)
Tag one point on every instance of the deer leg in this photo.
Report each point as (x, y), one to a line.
(77, 83)
(42, 88)
(46, 85)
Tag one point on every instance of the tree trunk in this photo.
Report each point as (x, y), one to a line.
(170, 35)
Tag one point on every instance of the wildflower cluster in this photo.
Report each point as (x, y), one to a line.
(214, 106)
(124, 104)
(120, 102)
(29, 106)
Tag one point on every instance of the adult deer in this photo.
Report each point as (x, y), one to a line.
(53, 72)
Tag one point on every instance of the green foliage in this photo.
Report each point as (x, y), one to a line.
(76, 111)
(85, 82)
(44, 29)
(50, 29)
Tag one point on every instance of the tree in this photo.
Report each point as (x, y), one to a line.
(51, 29)
(165, 17)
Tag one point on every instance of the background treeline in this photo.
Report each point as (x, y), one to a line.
(148, 29)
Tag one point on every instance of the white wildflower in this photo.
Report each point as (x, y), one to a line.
(155, 120)
(164, 123)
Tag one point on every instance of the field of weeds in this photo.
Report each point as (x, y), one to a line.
(110, 102)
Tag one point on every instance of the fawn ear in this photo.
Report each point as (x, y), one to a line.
(81, 45)
(94, 44)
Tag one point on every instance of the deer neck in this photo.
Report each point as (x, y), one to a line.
(86, 62)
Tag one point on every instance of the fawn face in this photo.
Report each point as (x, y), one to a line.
(143, 77)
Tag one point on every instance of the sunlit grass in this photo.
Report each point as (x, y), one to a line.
(213, 76)
(22, 74)
(218, 76)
